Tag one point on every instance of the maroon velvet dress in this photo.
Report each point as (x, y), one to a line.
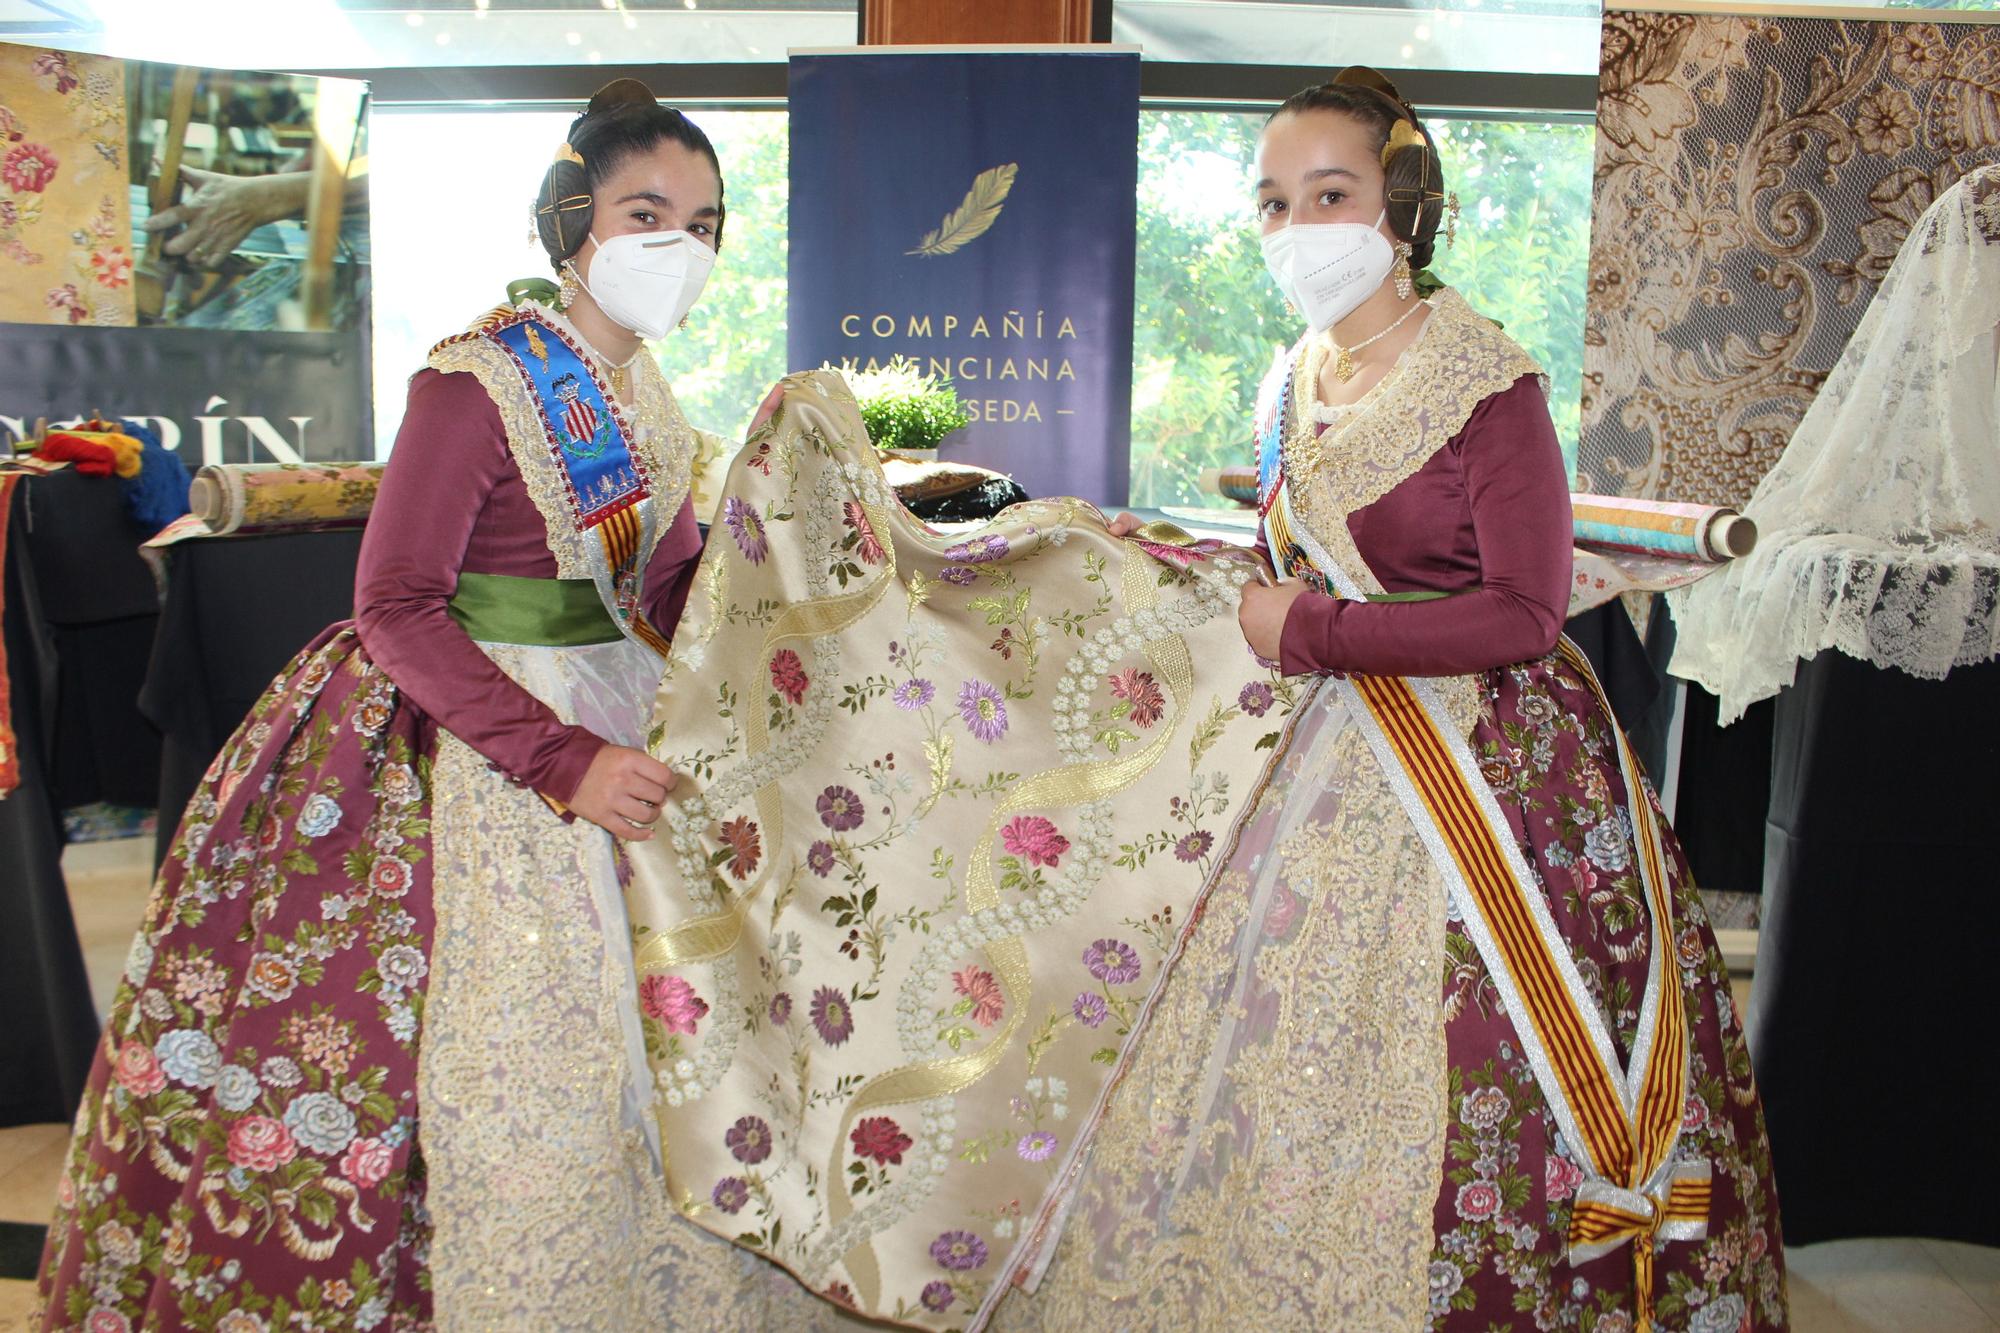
(1486, 518)
(249, 1151)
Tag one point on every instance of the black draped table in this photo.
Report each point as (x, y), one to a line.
(80, 608)
(237, 610)
(1867, 1012)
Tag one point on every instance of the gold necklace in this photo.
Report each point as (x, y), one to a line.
(616, 374)
(1343, 357)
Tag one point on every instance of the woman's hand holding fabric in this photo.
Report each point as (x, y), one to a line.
(1262, 614)
(621, 792)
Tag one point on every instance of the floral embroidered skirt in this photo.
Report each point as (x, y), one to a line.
(1548, 751)
(245, 1156)
(373, 1062)
(1304, 1141)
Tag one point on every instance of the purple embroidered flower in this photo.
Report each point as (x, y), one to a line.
(819, 858)
(1037, 1146)
(832, 1017)
(983, 710)
(913, 694)
(1113, 961)
(748, 1140)
(938, 1296)
(1256, 698)
(1193, 846)
(840, 809)
(958, 574)
(979, 550)
(731, 1193)
(781, 1009)
(1089, 1009)
(959, 1251)
(748, 529)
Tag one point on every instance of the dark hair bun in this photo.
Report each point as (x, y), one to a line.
(620, 93)
(623, 118)
(1361, 76)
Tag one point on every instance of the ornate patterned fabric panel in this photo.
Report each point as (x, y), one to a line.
(1755, 178)
(65, 213)
(950, 804)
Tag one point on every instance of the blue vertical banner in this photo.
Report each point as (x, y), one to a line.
(975, 211)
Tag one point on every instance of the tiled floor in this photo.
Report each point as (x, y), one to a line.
(1851, 1286)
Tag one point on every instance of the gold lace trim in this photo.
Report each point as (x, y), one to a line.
(1271, 1160)
(1458, 361)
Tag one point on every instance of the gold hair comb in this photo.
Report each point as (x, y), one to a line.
(1402, 135)
(567, 154)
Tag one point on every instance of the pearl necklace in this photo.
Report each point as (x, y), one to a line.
(1343, 357)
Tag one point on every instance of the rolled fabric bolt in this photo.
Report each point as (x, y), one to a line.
(275, 497)
(1708, 533)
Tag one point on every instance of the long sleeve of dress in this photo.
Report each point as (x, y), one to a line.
(670, 573)
(1506, 510)
(450, 456)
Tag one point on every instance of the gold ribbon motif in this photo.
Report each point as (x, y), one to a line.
(743, 902)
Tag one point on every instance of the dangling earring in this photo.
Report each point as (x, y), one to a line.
(1401, 272)
(571, 285)
(684, 323)
(1451, 221)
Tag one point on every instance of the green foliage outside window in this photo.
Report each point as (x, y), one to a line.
(1210, 322)
(733, 349)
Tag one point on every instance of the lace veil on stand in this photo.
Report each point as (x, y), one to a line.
(1880, 525)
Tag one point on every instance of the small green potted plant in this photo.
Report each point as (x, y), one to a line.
(907, 413)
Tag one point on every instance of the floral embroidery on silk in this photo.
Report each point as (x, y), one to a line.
(951, 804)
(65, 202)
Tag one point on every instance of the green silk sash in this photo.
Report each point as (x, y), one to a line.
(557, 613)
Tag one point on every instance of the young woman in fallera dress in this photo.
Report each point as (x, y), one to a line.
(374, 1060)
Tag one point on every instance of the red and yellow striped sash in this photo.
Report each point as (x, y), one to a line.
(1626, 1130)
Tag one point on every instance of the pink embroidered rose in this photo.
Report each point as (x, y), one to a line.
(367, 1162)
(1560, 1177)
(259, 1143)
(103, 1320)
(1694, 1116)
(1478, 1200)
(673, 1002)
(880, 1140)
(28, 168)
(1035, 840)
(788, 675)
(139, 1071)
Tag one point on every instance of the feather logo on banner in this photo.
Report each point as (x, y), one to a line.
(971, 218)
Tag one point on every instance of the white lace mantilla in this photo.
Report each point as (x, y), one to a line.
(1881, 521)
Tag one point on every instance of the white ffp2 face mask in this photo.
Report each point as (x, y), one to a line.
(1327, 269)
(646, 280)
